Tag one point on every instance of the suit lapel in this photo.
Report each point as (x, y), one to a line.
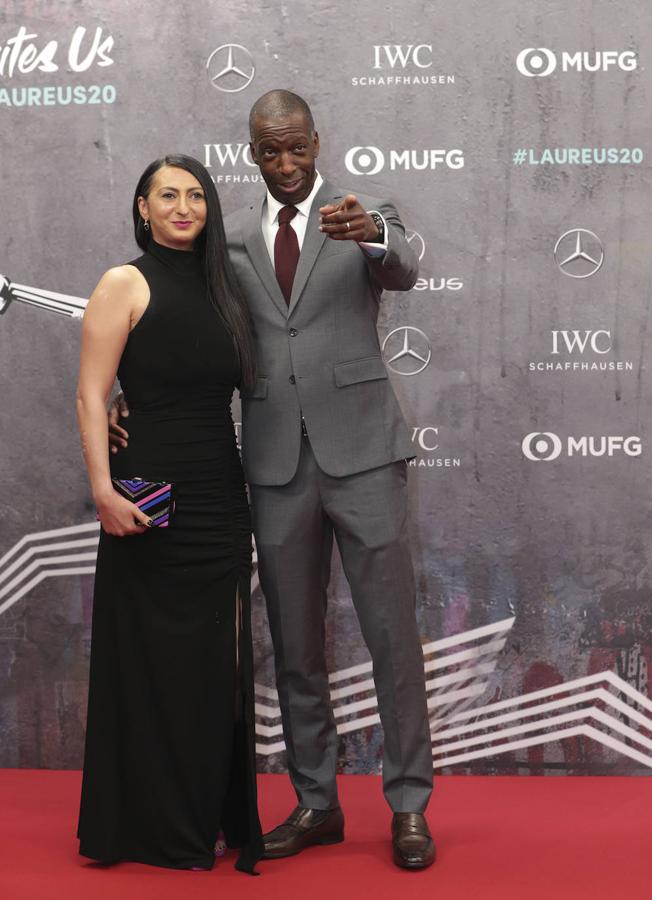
(257, 250)
(312, 243)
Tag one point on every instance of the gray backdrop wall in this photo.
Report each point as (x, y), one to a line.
(515, 138)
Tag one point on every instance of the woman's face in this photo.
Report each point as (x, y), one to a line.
(175, 208)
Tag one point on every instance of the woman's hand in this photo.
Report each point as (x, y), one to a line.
(120, 517)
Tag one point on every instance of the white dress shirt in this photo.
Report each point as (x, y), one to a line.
(269, 222)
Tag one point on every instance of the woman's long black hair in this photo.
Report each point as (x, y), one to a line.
(223, 288)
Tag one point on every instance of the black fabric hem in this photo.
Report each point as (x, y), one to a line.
(147, 860)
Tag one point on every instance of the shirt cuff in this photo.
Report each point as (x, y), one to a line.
(375, 249)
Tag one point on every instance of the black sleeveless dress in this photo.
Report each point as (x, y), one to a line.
(170, 753)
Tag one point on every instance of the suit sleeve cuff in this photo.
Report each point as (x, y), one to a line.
(373, 249)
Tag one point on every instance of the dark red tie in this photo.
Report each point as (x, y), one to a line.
(286, 250)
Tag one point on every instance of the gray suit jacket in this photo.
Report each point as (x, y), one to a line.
(320, 357)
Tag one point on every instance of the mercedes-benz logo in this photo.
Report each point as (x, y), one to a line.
(231, 68)
(579, 253)
(407, 350)
(416, 242)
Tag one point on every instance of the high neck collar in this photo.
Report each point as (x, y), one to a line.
(181, 261)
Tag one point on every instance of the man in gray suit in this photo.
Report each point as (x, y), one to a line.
(324, 450)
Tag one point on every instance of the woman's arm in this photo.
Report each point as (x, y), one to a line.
(116, 303)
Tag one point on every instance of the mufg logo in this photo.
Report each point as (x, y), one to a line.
(544, 446)
(539, 61)
(371, 160)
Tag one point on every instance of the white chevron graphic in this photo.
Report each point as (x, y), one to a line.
(602, 707)
(46, 554)
(452, 679)
(53, 554)
(583, 706)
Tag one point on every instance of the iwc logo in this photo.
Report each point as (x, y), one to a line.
(231, 68)
(407, 350)
(231, 162)
(426, 444)
(585, 350)
(402, 64)
(579, 253)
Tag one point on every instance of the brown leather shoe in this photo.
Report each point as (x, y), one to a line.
(304, 828)
(412, 842)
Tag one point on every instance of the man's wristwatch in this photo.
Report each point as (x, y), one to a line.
(380, 225)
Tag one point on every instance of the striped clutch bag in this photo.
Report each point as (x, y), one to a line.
(156, 498)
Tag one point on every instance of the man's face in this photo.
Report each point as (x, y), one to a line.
(285, 150)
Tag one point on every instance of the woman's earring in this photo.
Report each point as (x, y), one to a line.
(146, 225)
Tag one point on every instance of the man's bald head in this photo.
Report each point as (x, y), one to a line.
(279, 104)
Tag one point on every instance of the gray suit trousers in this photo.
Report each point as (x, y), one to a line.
(294, 526)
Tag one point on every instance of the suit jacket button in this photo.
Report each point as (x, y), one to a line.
(293, 332)
(292, 379)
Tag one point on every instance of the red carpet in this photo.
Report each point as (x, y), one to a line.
(525, 838)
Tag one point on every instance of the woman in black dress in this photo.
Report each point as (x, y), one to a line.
(169, 759)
